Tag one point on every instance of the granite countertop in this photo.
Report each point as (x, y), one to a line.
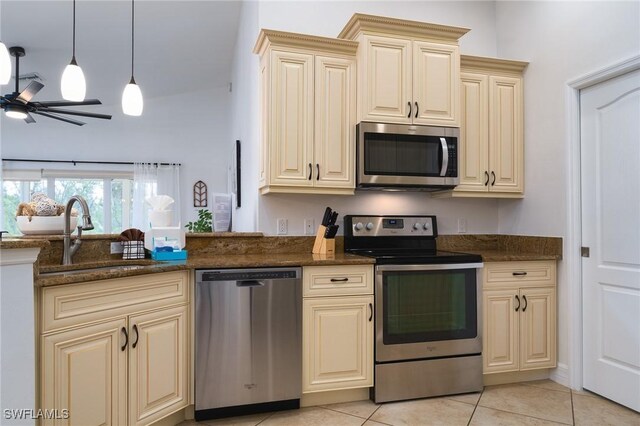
(51, 275)
(510, 256)
(19, 243)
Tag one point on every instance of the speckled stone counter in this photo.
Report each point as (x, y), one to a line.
(19, 243)
(92, 271)
(504, 248)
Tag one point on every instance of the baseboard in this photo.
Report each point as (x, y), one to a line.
(560, 375)
(173, 419)
(334, 397)
(515, 377)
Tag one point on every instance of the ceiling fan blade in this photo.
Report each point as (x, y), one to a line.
(29, 119)
(55, 117)
(80, 113)
(29, 92)
(68, 103)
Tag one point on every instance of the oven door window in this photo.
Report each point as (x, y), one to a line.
(426, 306)
(402, 155)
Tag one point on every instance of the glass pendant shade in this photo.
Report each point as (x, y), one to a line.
(5, 64)
(132, 102)
(73, 84)
(14, 111)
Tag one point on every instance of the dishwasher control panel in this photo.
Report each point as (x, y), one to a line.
(246, 274)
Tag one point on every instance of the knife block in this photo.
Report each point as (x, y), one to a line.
(323, 245)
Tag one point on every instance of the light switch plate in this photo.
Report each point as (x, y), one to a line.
(462, 226)
(116, 248)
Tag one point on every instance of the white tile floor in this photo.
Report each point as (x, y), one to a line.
(538, 403)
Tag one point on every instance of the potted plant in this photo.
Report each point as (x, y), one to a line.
(203, 224)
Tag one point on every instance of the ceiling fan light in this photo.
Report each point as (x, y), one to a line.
(15, 111)
(5, 64)
(132, 102)
(73, 84)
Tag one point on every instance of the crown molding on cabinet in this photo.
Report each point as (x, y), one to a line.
(492, 64)
(399, 27)
(303, 41)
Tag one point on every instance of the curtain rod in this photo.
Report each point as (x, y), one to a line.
(74, 162)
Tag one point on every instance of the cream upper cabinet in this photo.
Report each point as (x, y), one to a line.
(491, 146)
(337, 324)
(308, 113)
(519, 320)
(116, 352)
(408, 71)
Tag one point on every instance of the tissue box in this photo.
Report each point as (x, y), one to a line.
(169, 255)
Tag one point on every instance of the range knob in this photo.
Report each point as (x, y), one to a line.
(426, 226)
(417, 226)
(369, 226)
(359, 226)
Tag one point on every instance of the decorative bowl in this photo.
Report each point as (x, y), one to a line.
(44, 225)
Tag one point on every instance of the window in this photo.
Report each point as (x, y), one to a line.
(109, 197)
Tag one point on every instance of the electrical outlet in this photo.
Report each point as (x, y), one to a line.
(309, 226)
(116, 248)
(462, 226)
(282, 227)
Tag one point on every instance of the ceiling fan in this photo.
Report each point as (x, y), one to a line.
(19, 105)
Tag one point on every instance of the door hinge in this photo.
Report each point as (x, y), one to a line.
(584, 251)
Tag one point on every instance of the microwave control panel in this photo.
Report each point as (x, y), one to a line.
(375, 226)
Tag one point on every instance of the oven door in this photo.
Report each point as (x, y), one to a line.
(427, 311)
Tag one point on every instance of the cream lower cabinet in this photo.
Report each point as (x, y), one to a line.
(337, 328)
(491, 146)
(519, 319)
(112, 353)
(308, 113)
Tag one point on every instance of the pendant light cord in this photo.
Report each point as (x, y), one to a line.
(74, 30)
(132, 35)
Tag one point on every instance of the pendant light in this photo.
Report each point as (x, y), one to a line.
(5, 64)
(132, 102)
(73, 85)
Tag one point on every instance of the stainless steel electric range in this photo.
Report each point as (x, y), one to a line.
(427, 312)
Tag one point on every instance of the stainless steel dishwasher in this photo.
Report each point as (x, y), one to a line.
(248, 341)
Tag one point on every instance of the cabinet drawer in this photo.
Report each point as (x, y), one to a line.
(519, 274)
(337, 280)
(75, 304)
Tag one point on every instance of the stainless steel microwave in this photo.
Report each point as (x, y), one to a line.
(400, 156)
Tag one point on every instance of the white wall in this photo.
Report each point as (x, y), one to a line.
(190, 128)
(562, 41)
(327, 19)
(245, 114)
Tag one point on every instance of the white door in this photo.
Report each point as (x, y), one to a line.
(610, 139)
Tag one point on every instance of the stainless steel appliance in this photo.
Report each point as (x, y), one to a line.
(428, 319)
(248, 341)
(399, 156)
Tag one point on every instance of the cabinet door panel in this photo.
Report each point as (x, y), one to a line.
(473, 148)
(386, 80)
(291, 130)
(84, 371)
(337, 343)
(538, 328)
(158, 364)
(506, 134)
(436, 76)
(334, 122)
(500, 331)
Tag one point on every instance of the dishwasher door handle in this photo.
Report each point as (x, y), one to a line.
(249, 283)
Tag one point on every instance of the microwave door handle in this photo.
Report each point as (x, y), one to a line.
(445, 157)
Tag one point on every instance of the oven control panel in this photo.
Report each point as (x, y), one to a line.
(374, 226)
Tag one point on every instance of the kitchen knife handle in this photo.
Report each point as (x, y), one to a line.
(126, 339)
(310, 171)
(416, 116)
(371, 311)
(317, 171)
(409, 115)
(518, 300)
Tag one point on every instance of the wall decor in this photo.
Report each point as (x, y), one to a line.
(200, 194)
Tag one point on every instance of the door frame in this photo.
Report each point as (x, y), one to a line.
(574, 210)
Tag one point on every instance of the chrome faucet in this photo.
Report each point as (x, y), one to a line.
(70, 250)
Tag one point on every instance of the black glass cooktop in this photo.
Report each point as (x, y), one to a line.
(419, 257)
